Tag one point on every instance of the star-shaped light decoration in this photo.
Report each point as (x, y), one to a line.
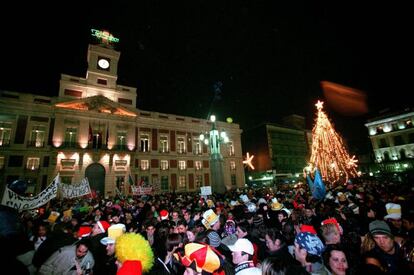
(319, 105)
(248, 161)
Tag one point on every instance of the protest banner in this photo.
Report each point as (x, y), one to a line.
(16, 201)
(75, 190)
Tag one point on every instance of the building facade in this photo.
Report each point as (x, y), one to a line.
(392, 139)
(280, 151)
(93, 129)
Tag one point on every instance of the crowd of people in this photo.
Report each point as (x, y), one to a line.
(363, 226)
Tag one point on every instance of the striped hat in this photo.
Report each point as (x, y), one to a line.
(201, 256)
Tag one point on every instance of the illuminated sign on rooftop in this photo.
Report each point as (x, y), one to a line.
(104, 36)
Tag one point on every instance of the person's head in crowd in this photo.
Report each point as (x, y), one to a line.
(274, 239)
(282, 215)
(242, 251)
(280, 266)
(308, 211)
(190, 235)
(408, 221)
(230, 227)
(164, 215)
(174, 241)
(213, 238)
(181, 227)
(249, 217)
(199, 259)
(257, 220)
(199, 227)
(242, 229)
(82, 248)
(175, 215)
(381, 233)
(187, 215)
(114, 231)
(393, 215)
(330, 232)
(211, 220)
(100, 227)
(308, 247)
(335, 259)
(115, 218)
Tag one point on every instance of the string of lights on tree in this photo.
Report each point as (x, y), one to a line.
(328, 152)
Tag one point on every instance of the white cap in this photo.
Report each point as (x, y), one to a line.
(243, 245)
(107, 240)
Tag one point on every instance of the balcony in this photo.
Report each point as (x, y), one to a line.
(70, 144)
(35, 143)
(4, 142)
(120, 147)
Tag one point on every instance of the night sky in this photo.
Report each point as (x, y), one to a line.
(254, 61)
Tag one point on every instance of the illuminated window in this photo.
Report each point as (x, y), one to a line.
(5, 132)
(163, 144)
(232, 165)
(144, 142)
(37, 137)
(231, 148)
(198, 181)
(181, 145)
(198, 165)
(144, 164)
(164, 164)
(70, 137)
(197, 146)
(33, 163)
(181, 164)
(181, 182)
(121, 139)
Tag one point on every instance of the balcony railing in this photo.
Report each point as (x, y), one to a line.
(120, 147)
(35, 143)
(70, 144)
(4, 142)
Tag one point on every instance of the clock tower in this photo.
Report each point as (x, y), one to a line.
(102, 66)
(101, 76)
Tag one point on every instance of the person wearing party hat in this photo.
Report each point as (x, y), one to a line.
(200, 258)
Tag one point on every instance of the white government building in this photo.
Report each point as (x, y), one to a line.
(93, 129)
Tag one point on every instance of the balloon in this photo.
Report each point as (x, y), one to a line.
(229, 120)
(18, 186)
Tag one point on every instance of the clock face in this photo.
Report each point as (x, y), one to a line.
(103, 63)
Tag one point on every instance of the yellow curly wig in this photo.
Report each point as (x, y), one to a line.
(132, 246)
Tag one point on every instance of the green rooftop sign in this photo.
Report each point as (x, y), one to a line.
(104, 36)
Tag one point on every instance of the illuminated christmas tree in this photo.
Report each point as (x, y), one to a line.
(328, 152)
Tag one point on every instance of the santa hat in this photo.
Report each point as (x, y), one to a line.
(84, 231)
(308, 229)
(164, 214)
(333, 221)
(103, 225)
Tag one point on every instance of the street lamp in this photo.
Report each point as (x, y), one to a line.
(214, 139)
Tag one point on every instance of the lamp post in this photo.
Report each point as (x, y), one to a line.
(214, 138)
